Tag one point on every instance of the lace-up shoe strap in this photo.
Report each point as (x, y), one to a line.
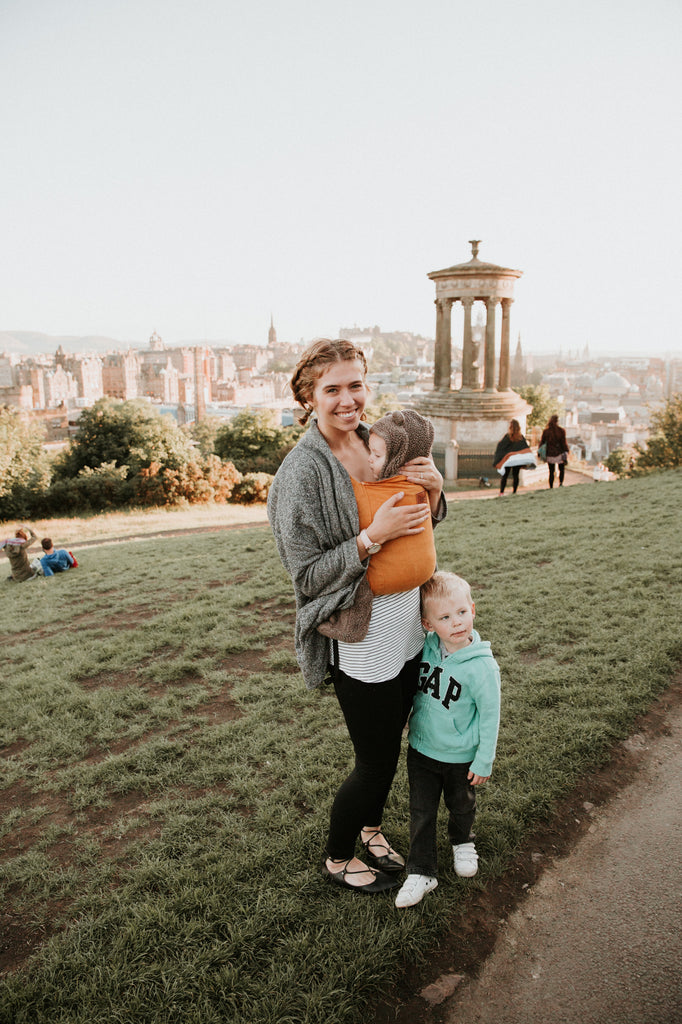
(414, 889)
(466, 860)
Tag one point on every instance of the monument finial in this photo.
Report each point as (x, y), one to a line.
(474, 243)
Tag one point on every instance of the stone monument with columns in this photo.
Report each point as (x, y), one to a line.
(470, 421)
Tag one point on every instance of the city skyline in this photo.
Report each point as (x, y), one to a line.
(193, 169)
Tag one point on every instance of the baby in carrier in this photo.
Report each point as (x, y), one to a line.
(405, 562)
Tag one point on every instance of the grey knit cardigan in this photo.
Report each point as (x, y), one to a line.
(314, 518)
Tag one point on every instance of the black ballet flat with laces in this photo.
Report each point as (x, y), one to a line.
(384, 861)
(381, 881)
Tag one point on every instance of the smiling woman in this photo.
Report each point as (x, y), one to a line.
(314, 516)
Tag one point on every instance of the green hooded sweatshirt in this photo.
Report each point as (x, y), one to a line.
(456, 711)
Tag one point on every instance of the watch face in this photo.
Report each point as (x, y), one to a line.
(373, 548)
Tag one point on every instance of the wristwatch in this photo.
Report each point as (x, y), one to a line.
(371, 546)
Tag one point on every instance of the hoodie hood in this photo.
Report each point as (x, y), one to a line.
(477, 649)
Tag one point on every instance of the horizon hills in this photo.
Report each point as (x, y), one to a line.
(33, 343)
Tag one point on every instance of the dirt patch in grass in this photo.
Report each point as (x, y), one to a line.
(474, 932)
(531, 656)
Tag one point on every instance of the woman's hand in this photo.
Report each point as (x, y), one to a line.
(423, 471)
(390, 521)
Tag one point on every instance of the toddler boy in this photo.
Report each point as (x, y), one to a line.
(453, 732)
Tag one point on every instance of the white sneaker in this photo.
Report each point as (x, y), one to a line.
(414, 888)
(466, 860)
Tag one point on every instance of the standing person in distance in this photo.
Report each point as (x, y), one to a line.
(508, 457)
(554, 437)
(314, 516)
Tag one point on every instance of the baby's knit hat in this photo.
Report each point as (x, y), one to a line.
(407, 434)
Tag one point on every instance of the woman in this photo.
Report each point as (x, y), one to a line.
(314, 517)
(554, 437)
(513, 443)
(16, 550)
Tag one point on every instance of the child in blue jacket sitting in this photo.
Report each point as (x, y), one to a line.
(53, 561)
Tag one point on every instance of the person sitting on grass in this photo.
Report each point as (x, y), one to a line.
(452, 732)
(15, 548)
(58, 560)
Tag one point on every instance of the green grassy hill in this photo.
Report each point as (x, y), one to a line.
(166, 778)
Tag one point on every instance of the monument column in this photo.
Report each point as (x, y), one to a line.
(489, 379)
(442, 353)
(467, 347)
(504, 383)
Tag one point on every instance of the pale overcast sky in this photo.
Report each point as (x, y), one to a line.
(192, 166)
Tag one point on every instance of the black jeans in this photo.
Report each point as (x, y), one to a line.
(428, 779)
(514, 470)
(375, 714)
(562, 469)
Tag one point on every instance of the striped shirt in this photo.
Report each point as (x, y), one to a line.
(394, 636)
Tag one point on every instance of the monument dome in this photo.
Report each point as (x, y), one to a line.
(612, 383)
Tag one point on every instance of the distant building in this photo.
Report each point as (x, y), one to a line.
(250, 357)
(121, 375)
(519, 374)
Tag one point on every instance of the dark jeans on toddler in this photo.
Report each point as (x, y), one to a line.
(375, 714)
(428, 780)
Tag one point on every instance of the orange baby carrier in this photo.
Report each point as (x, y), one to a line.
(405, 562)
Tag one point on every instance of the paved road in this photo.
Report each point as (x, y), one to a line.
(598, 940)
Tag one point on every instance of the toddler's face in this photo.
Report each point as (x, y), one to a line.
(377, 455)
(452, 618)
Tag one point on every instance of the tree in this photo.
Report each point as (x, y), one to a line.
(543, 404)
(619, 461)
(24, 463)
(204, 433)
(132, 434)
(381, 405)
(254, 442)
(664, 448)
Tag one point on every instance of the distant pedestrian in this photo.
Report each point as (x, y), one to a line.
(58, 560)
(512, 452)
(554, 437)
(15, 548)
(453, 732)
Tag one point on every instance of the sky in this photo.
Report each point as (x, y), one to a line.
(194, 167)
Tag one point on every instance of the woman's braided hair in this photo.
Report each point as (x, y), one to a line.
(314, 362)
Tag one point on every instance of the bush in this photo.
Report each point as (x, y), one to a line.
(132, 434)
(193, 483)
(93, 490)
(252, 488)
(24, 464)
(254, 442)
(620, 462)
(664, 448)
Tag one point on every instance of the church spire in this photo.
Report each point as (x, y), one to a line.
(272, 333)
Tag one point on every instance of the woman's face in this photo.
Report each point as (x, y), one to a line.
(339, 397)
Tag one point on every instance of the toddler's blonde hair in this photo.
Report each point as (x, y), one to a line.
(442, 584)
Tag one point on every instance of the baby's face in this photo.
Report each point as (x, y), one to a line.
(377, 455)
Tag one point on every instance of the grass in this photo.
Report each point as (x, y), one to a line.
(113, 526)
(167, 778)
